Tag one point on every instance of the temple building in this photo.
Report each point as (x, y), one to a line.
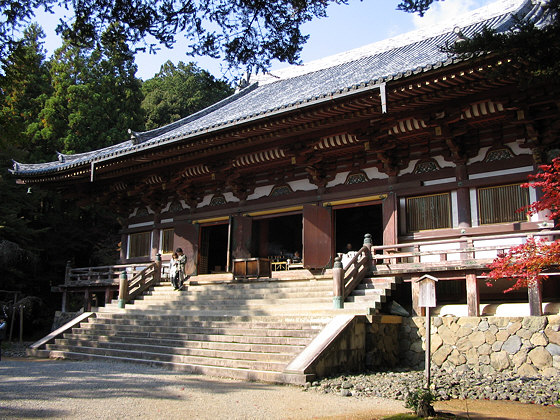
(397, 139)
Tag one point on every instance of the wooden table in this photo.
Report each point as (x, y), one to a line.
(251, 267)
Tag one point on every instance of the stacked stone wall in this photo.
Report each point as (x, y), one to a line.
(382, 345)
(527, 346)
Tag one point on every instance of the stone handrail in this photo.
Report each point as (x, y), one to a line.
(345, 279)
(139, 283)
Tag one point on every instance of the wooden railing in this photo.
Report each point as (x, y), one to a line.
(461, 253)
(142, 281)
(448, 253)
(108, 274)
(345, 279)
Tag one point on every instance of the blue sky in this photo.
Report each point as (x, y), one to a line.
(347, 27)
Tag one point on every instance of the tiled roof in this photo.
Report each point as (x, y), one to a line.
(300, 86)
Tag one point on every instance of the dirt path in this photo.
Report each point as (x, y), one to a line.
(31, 389)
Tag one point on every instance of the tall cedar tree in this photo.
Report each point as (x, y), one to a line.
(177, 91)
(527, 263)
(96, 95)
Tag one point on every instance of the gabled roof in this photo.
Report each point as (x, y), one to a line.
(301, 86)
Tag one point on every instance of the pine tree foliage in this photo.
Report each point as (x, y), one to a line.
(245, 33)
(180, 90)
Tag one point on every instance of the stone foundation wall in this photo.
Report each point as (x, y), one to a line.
(382, 342)
(526, 345)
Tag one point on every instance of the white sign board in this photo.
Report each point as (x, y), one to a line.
(427, 291)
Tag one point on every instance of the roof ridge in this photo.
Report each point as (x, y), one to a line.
(485, 13)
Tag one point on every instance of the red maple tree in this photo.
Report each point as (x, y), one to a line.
(526, 263)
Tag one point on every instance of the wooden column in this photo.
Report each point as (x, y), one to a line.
(64, 299)
(473, 295)
(463, 197)
(108, 295)
(415, 286)
(535, 298)
(390, 220)
(87, 300)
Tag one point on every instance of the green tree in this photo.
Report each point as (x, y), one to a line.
(24, 89)
(178, 91)
(96, 95)
(245, 33)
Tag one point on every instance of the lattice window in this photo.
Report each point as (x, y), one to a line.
(280, 190)
(218, 200)
(356, 178)
(425, 167)
(175, 207)
(498, 154)
(142, 211)
(139, 244)
(167, 240)
(500, 204)
(428, 212)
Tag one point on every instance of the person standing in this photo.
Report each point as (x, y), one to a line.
(182, 259)
(174, 270)
(2, 333)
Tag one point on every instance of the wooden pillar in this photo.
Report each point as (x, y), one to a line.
(64, 300)
(87, 300)
(463, 197)
(390, 220)
(338, 284)
(473, 295)
(535, 298)
(108, 295)
(416, 311)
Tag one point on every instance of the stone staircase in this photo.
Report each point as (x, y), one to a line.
(244, 330)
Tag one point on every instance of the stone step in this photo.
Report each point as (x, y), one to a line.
(174, 358)
(99, 327)
(254, 355)
(187, 300)
(248, 339)
(268, 284)
(136, 320)
(194, 295)
(218, 371)
(257, 320)
(193, 344)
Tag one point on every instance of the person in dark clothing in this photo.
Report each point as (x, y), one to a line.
(3, 326)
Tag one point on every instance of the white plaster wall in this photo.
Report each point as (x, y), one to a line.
(260, 192)
(373, 173)
(230, 198)
(502, 242)
(440, 247)
(340, 178)
(205, 201)
(302, 185)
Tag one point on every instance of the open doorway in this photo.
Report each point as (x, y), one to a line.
(213, 249)
(278, 237)
(352, 223)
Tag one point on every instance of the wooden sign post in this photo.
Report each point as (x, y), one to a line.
(427, 299)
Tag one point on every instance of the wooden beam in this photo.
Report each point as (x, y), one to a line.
(473, 295)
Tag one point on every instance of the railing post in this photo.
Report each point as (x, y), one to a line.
(123, 289)
(159, 266)
(338, 284)
(368, 243)
(67, 273)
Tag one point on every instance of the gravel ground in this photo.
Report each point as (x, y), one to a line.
(33, 388)
(464, 385)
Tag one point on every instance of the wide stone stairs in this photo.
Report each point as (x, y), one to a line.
(245, 330)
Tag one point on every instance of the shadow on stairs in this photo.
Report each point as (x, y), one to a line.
(267, 330)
